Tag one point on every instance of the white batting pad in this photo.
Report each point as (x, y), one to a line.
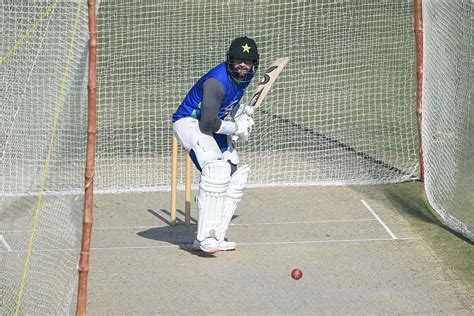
(234, 194)
(215, 179)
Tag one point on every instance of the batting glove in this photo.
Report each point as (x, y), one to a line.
(244, 127)
(243, 109)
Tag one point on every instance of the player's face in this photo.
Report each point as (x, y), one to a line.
(241, 67)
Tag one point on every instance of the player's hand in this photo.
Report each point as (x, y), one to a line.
(244, 127)
(248, 110)
(243, 109)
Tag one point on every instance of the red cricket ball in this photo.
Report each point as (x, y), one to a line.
(296, 274)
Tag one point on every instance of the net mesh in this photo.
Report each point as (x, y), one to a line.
(342, 111)
(43, 51)
(448, 124)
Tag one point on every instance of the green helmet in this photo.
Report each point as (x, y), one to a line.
(243, 48)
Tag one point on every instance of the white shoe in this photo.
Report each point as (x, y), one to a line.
(209, 245)
(224, 245)
(221, 246)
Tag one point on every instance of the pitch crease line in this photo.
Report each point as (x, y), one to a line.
(188, 245)
(304, 222)
(325, 241)
(379, 220)
(265, 243)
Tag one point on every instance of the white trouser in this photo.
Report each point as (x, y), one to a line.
(205, 147)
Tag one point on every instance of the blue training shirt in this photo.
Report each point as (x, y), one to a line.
(234, 90)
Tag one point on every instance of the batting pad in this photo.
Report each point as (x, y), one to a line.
(215, 179)
(233, 195)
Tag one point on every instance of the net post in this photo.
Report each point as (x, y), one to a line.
(174, 180)
(187, 204)
(418, 18)
(90, 162)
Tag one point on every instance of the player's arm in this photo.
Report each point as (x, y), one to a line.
(213, 96)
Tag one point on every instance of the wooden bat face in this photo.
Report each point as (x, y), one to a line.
(266, 82)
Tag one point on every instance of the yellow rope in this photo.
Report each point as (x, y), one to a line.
(23, 36)
(50, 151)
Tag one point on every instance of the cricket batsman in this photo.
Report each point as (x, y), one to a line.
(200, 127)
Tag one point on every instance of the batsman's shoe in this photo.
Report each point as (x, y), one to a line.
(221, 246)
(225, 245)
(209, 245)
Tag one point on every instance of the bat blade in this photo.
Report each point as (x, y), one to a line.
(266, 82)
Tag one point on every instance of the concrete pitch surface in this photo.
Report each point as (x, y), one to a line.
(358, 253)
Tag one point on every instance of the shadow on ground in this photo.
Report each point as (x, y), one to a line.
(181, 234)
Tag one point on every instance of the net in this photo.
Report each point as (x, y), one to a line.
(43, 54)
(448, 122)
(342, 112)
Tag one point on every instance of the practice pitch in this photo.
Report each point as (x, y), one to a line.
(361, 248)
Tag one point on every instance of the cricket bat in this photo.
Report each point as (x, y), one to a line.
(266, 82)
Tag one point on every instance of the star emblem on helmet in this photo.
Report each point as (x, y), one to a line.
(246, 48)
